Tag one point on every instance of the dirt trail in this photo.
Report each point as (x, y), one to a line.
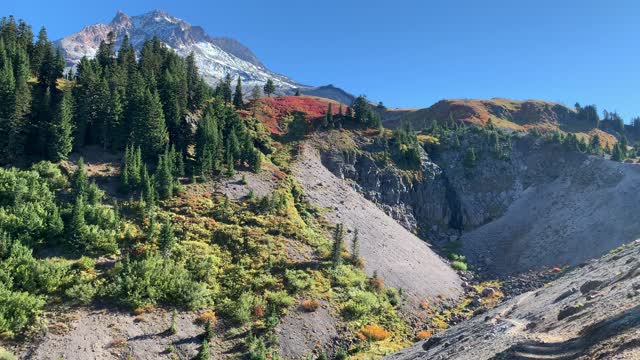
(403, 260)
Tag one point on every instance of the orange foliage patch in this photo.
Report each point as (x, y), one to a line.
(144, 309)
(310, 305)
(206, 316)
(375, 333)
(424, 334)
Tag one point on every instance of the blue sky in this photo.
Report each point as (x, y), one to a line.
(411, 53)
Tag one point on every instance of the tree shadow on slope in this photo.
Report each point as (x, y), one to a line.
(588, 339)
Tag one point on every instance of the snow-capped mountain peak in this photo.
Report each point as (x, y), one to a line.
(215, 56)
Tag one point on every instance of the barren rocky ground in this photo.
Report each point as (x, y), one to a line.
(80, 334)
(592, 312)
(582, 214)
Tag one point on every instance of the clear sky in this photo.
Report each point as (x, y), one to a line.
(411, 53)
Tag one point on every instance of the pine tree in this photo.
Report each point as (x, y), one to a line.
(255, 160)
(115, 120)
(237, 96)
(230, 164)
(338, 241)
(148, 190)
(106, 50)
(269, 88)
(297, 93)
(204, 353)
(167, 239)
(208, 144)
(79, 181)
(61, 141)
(208, 330)
(355, 247)
(164, 177)
(195, 86)
(329, 116)
(40, 49)
(149, 130)
(617, 154)
(225, 89)
(126, 55)
(21, 105)
(77, 227)
(361, 110)
(7, 101)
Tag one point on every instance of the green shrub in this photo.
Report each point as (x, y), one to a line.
(298, 280)
(51, 173)
(347, 276)
(360, 303)
(34, 276)
(18, 309)
(279, 300)
(82, 293)
(153, 280)
(240, 311)
(28, 212)
(459, 265)
(86, 263)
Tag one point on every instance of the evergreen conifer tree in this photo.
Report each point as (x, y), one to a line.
(338, 241)
(167, 239)
(164, 177)
(61, 140)
(355, 246)
(238, 102)
(269, 88)
(79, 181)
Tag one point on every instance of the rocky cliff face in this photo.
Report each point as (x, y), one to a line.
(511, 213)
(444, 198)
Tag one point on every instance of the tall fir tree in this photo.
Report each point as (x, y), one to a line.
(80, 180)
(164, 177)
(167, 239)
(7, 101)
(338, 242)
(61, 141)
(208, 144)
(225, 89)
(355, 246)
(149, 130)
(238, 102)
(329, 116)
(76, 228)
